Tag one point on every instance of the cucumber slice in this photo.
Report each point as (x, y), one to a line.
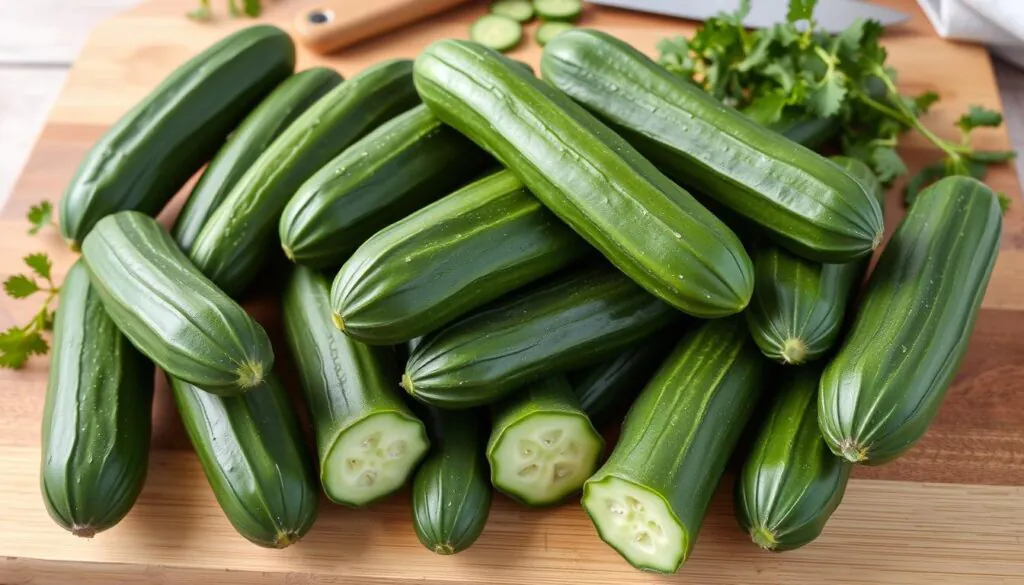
(542, 446)
(549, 30)
(558, 10)
(500, 33)
(518, 10)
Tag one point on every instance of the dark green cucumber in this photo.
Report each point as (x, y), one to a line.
(557, 327)
(790, 482)
(148, 154)
(649, 499)
(451, 493)
(246, 144)
(235, 240)
(401, 166)
(169, 311)
(449, 258)
(368, 440)
(881, 391)
(542, 446)
(96, 420)
(593, 180)
(799, 305)
(252, 453)
(606, 389)
(799, 198)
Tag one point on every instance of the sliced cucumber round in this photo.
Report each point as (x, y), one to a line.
(559, 10)
(373, 457)
(500, 33)
(518, 10)
(549, 30)
(637, 522)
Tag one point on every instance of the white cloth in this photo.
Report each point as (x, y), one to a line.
(996, 23)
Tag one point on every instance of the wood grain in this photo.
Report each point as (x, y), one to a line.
(952, 511)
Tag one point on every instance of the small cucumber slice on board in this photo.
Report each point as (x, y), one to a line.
(518, 10)
(549, 30)
(542, 445)
(500, 33)
(558, 10)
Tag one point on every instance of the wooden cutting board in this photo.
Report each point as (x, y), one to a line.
(951, 511)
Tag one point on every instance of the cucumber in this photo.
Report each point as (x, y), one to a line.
(799, 306)
(649, 499)
(558, 10)
(518, 10)
(790, 483)
(795, 195)
(808, 132)
(497, 32)
(96, 419)
(246, 144)
(884, 386)
(647, 226)
(562, 325)
(391, 172)
(451, 493)
(542, 446)
(252, 453)
(169, 311)
(151, 151)
(606, 389)
(549, 30)
(449, 258)
(367, 439)
(235, 240)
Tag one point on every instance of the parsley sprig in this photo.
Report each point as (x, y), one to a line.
(794, 70)
(250, 8)
(17, 344)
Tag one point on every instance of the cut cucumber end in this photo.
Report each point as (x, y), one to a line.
(250, 374)
(372, 458)
(763, 537)
(544, 457)
(637, 522)
(794, 351)
(558, 10)
(338, 321)
(496, 32)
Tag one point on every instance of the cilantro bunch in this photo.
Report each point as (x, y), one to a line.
(793, 70)
(17, 344)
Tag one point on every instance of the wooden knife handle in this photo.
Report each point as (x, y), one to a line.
(332, 24)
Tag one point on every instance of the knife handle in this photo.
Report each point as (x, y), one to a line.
(332, 24)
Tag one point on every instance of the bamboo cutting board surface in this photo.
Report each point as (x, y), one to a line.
(951, 511)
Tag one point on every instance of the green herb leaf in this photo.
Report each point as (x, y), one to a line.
(40, 216)
(40, 264)
(887, 163)
(1004, 201)
(978, 117)
(800, 10)
(827, 98)
(767, 109)
(923, 102)
(20, 286)
(202, 13)
(17, 345)
(252, 8)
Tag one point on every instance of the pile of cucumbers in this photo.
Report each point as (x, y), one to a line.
(482, 269)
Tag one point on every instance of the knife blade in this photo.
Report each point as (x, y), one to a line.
(831, 15)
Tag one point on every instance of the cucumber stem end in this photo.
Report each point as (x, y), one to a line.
(407, 384)
(763, 537)
(444, 548)
(83, 531)
(288, 252)
(250, 374)
(285, 539)
(338, 321)
(794, 351)
(853, 452)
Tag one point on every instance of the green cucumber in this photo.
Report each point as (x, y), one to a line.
(649, 499)
(391, 172)
(606, 389)
(558, 10)
(593, 180)
(542, 446)
(96, 419)
(799, 305)
(556, 327)
(518, 10)
(799, 198)
(497, 32)
(449, 258)
(152, 150)
(549, 30)
(252, 453)
(884, 386)
(451, 493)
(808, 132)
(169, 311)
(235, 240)
(790, 482)
(368, 440)
(246, 144)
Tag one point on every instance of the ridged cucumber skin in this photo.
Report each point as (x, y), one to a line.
(647, 226)
(254, 458)
(799, 306)
(682, 429)
(451, 257)
(151, 151)
(343, 380)
(408, 162)
(791, 483)
(253, 136)
(169, 311)
(451, 493)
(236, 239)
(96, 418)
(557, 327)
(800, 199)
(886, 383)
